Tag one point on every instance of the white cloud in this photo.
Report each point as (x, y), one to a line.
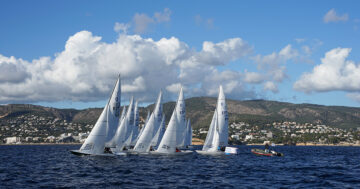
(271, 86)
(87, 69)
(253, 77)
(12, 72)
(163, 16)
(274, 63)
(174, 88)
(142, 21)
(332, 16)
(121, 27)
(335, 73)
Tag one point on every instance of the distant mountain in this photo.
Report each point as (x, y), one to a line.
(200, 110)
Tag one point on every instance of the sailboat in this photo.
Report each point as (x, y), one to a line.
(150, 129)
(105, 126)
(217, 136)
(174, 131)
(122, 137)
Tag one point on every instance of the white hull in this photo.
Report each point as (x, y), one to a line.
(182, 153)
(215, 153)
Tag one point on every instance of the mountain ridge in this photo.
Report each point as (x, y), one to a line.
(200, 110)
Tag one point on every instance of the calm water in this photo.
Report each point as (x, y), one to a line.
(301, 167)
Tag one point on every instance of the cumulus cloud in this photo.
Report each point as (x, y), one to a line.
(142, 21)
(335, 73)
(332, 16)
(274, 63)
(253, 77)
(87, 69)
(271, 86)
(12, 70)
(121, 27)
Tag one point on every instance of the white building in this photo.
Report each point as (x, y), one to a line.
(13, 140)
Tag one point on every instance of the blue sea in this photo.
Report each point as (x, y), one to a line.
(53, 166)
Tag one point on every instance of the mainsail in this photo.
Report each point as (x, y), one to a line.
(105, 126)
(135, 132)
(188, 134)
(223, 118)
(181, 121)
(130, 117)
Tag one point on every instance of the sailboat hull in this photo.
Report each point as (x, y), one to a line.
(79, 153)
(215, 153)
(182, 153)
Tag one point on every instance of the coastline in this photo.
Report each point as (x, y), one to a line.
(308, 144)
(39, 144)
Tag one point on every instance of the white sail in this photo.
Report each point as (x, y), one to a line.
(180, 115)
(113, 111)
(210, 135)
(174, 132)
(123, 112)
(188, 134)
(143, 144)
(158, 111)
(143, 127)
(105, 125)
(118, 141)
(136, 125)
(223, 119)
(159, 134)
(130, 116)
(168, 142)
(216, 139)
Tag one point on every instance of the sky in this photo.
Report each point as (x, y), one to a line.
(68, 54)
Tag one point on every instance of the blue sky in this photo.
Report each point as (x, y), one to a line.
(273, 50)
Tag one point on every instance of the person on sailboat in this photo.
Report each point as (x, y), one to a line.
(267, 148)
(177, 150)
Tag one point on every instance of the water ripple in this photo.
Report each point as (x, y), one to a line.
(301, 167)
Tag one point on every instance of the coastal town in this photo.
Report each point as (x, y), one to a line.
(36, 129)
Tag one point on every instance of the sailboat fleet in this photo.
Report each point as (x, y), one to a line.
(120, 134)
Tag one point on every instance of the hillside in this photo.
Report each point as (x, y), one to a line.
(200, 110)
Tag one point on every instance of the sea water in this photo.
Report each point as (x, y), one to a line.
(53, 166)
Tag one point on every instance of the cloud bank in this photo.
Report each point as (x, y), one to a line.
(87, 69)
